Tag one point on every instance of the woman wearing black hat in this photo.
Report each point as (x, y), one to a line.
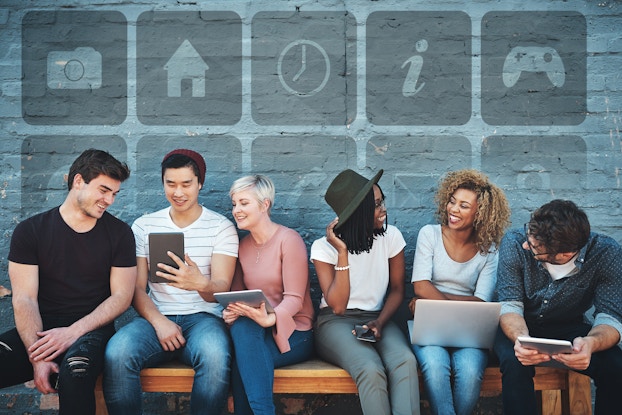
(359, 263)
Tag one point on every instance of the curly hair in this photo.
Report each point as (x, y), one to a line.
(493, 211)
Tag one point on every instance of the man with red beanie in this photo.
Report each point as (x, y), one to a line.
(178, 319)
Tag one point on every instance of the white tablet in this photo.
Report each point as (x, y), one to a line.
(547, 346)
(253, 298)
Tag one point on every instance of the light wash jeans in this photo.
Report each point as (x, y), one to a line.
(256, 357)
(438, 363)
(136, 346)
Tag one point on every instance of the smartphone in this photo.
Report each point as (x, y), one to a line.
(54, 380)
(159, 244)
(364, 334)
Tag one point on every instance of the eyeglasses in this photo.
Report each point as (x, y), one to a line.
(531, 247)
(380, 204)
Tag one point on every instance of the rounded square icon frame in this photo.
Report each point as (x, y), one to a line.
(74, 75)
(534, 68)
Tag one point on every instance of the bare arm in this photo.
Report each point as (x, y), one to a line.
(169, 334)
(513, 325)
(189, 277)
(55, 341)
(600, 337)
(425, 289)
(25, 285)
(335, 284)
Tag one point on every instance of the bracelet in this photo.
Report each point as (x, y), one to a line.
(342, 268)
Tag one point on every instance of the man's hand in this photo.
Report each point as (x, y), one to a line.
(529, 357)
(187, 277)
(42, 372)
(580, 359)
(169, 334)
(52, 343)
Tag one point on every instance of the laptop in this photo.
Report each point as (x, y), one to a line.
(454, 323)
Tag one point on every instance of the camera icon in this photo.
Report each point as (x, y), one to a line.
(75, 69)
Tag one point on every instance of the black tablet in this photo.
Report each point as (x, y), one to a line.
(159, 244)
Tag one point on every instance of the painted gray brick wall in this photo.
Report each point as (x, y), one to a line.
(527, 91)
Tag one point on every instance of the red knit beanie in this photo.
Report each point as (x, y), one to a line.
(196, 157)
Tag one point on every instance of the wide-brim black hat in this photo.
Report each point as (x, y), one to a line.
(347, 191)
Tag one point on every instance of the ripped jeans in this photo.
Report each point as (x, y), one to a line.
(79, 367)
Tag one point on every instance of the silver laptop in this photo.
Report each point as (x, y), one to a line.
(454, 323)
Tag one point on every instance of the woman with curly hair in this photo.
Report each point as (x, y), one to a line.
(457, 260)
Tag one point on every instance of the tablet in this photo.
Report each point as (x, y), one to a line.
(547, 346)
(253, 298)
(159, 243)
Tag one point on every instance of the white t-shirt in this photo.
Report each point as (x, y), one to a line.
(212, 233)
(369, 271)
(476, 276)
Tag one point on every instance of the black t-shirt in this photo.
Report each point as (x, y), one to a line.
(74, 268)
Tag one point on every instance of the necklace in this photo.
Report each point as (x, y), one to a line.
(258, 248)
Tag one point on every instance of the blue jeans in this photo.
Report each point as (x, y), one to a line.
(438, 363)
(517, 380)
(136, 346)
(256, 356)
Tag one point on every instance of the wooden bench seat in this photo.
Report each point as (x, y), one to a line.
(561, 391)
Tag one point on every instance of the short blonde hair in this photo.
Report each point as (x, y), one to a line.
(262, 186)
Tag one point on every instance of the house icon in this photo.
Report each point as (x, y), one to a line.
(186, 63)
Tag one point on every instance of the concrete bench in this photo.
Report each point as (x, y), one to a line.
(561, 391)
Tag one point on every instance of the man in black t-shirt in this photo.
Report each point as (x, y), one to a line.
(72, 271)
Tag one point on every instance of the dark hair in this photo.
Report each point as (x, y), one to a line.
(177, 161)
(560, 226)
(92, 163)
(358, 231)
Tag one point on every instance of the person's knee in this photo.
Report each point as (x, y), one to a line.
(77, 367)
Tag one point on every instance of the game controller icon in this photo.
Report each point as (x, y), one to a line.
(533, 59)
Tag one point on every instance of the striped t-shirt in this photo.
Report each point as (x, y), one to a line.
(212, 233)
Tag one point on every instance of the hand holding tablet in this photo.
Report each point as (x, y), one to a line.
(159, 245)
(252, 298)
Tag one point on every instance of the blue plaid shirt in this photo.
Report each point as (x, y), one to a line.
(525, 287)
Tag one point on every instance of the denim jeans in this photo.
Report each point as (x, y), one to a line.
(79, 367)
(517, 380)
(438, 363)
(136, 346)
(256, 356)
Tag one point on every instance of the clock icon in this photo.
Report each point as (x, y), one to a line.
(303, 68)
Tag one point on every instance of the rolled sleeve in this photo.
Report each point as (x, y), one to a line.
(606, 319)
(511, 307)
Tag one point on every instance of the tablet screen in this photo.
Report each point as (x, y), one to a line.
(159, 243)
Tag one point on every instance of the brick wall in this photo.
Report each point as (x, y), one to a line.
(526, 91)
